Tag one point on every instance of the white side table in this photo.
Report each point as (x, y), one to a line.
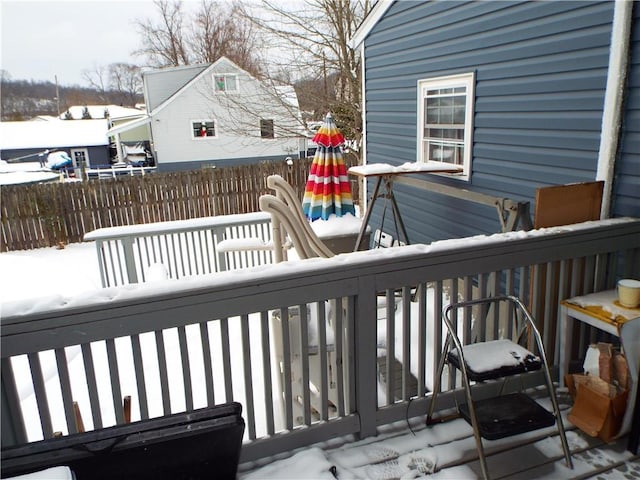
(602, 311)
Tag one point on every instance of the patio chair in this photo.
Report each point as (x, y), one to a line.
(286, 211)
(502, 415)
(290, 227)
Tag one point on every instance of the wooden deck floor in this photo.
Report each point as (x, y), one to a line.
(448, 451)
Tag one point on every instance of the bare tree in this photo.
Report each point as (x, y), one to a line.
(126, 79)
(217, 32)
(98, 79)
(164, 44)
(214, 30)
(315, 34)
(120, 80)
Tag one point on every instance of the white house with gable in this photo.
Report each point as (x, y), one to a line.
(218, 114)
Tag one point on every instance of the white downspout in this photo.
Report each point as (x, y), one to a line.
(363, 149)
(613, 98)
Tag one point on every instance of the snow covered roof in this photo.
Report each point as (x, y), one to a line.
(97, 111)
(53, 134)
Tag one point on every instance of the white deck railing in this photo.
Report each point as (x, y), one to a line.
(182, 344)
(130, 254)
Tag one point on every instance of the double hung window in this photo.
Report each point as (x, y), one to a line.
(203, 128)
(225, 83)
(446, 120)
(266, 128)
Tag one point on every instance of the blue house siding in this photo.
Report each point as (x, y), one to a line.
(626, 185)
(541, 70)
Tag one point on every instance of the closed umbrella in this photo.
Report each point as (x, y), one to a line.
(328, 190)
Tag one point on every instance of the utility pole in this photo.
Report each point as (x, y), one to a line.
(57, 95)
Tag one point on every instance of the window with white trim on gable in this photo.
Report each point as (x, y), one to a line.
(266, 128)
(445, 120)
(203, 128)
(225, 83)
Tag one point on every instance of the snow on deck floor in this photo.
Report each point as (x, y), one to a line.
(448, 451)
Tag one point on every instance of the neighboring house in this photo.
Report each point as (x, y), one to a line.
(85, 141)
(217, 114)
(522, 95)
(134, 136)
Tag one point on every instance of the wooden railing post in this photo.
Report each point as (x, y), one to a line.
(364, 346)
(129, 259)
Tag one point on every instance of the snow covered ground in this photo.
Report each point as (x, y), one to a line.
(26, 274)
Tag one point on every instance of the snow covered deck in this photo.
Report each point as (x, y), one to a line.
(409, 449)
(180, 344)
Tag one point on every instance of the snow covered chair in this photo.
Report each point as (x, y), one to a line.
(502, 415)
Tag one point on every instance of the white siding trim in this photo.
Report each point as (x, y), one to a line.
(370, 21)
(614, 94)
(363, 148)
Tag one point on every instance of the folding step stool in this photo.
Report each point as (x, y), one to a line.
(504, 415)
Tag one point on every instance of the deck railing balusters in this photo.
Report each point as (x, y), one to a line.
(303, 338)
(92, 385)
(41, 394)
(65, 387)
(232, 317)
(267, 373)
(248, 403)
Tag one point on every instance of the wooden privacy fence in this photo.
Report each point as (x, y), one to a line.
(45, 215)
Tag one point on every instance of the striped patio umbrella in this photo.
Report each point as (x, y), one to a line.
(327, 191)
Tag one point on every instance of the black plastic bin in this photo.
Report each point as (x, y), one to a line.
(204, 443)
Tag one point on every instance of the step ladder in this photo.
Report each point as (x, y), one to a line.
(503, 415)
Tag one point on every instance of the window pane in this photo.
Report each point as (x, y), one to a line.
(231, 82)
(445, 152)
(459, 110)
(266, 129)
(219, 83)
(204, 129)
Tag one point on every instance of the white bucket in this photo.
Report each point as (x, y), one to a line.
(629, 292)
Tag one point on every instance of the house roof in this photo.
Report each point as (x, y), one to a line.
(116, 112)
(187, 85)
(369, 22)
(53, 134)
(173, 79)
(130, 125)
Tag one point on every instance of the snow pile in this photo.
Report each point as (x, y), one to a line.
(408, 167)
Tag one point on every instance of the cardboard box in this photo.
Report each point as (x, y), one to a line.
(598, 407)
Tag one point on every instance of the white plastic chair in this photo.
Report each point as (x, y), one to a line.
(290, 226)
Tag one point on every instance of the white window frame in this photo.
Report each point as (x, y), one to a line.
(226, 88)
(204, 120)
(273, 126)
(466, 80)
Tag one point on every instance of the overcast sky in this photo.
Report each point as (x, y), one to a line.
(44, 38)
